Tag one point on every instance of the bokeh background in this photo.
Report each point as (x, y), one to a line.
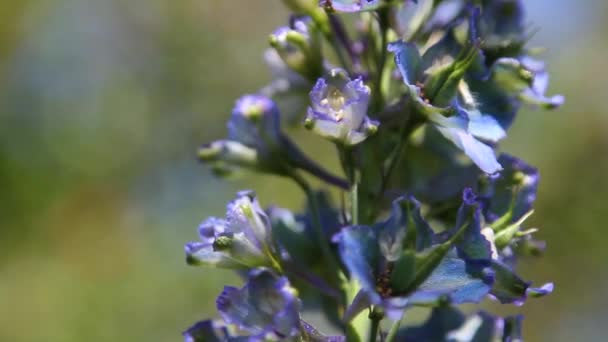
(102, 106)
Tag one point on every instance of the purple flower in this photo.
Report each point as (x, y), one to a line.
(243, 239)
(350, 5)
(255, 120)
(267, 306)
(433, 82)
(338, 109)
(254, 134)
(400, 262)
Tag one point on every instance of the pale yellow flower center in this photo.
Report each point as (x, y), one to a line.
(335, 99)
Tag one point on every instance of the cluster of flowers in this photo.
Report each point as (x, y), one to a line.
(415, 97)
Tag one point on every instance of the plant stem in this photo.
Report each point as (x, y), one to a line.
(375, 317)
(302, 161)
(354, 204)
(346, 159)
(340, 54)
(383, 25)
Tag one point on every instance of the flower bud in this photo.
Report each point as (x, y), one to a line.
(299, 47)
(526, 79)
(226, 153)
(267, 307)
(255, 122)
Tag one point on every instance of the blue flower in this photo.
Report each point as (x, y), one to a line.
(254, 136)
(400, 262)
(267, 307)
(255, 121)
(350, 5)
(243, 239)
(338, 109)
(433, 82)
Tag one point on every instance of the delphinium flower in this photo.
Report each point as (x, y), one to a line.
(401, 262)
(433, 80)
(430, 215)
(243, 239)
(267, 308)
(338, 109)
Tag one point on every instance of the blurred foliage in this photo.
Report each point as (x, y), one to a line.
(102, 106)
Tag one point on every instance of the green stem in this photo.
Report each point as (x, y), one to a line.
(335, 43)
(383, 25)
(346, 161)
(395, 159)
(275, 263)
(354, 204)
(375, 317)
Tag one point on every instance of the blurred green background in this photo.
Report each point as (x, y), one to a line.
(102, 106)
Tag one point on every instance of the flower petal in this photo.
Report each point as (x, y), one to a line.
(244, 214)
(481, 154)
(405, 228)
(359, 251)
(451, 280)
(407, 59)
(485, 127)
(473, 245)
(266, 305)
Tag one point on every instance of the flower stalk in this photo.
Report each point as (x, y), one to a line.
(431, 215)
